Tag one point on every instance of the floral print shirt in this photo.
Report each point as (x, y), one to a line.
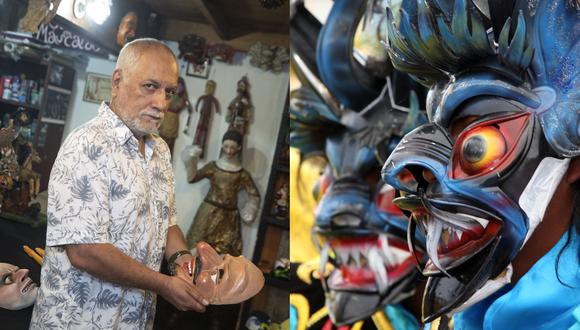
(102, 190)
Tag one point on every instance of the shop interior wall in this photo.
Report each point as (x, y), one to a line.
(268, 92)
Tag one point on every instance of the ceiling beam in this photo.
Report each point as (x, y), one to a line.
(216, 19)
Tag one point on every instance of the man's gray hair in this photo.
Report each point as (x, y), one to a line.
(130, 53)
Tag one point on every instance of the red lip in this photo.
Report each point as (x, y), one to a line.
(356, 272)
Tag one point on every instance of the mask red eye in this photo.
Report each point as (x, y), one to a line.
(489, 146)
(385, 200)
(481, 149)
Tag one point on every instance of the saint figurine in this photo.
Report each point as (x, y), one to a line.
(217, 220)
(169, 128)
(240, 109)
(205, 105)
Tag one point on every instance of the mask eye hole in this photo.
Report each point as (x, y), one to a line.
(480, 149)
(385, 200)
(7, 279)
(488, 146)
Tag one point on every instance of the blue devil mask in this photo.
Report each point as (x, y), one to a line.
(363, 233)
(504, 94)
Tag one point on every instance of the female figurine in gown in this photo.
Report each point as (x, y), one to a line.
(217, 221)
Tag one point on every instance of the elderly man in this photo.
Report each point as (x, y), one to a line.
(111, 209)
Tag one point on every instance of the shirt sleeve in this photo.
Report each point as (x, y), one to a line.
(78, 194)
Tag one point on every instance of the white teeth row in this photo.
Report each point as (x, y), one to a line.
(29, 284)
(452, 231)
(481, 221)
(389, 255)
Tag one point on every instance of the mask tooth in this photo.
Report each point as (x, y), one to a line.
(482, 222)
(445, 235)
(355, 253)
(385, 250)
(343, 254)
(434, 231)
(459, 234)
(399, 255)
(379, 270)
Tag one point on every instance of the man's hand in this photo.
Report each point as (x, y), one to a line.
(182, 294)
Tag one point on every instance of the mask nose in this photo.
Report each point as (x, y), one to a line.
(420, 159)
(20, 274)
(345, 205)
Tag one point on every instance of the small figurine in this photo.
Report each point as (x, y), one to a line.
(282, 268)
(217, 221)
(169, 128)
(205, 105)
(282, 201)
(240, 109)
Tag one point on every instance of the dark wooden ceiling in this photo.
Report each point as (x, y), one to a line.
(229, 18)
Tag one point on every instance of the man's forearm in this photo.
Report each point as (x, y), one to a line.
(175, 241)
(108, 263)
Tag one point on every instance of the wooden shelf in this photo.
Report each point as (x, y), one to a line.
(282, 223)
(19, 104)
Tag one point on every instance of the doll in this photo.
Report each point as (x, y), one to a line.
(240, 109)
(205, 105)
(217, 221)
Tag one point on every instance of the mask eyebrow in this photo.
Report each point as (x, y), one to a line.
(471, 87)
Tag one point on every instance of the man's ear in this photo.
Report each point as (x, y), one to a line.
(116, 81)
(573, 174)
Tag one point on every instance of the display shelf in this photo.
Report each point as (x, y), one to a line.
(19, 104)
(282, 223)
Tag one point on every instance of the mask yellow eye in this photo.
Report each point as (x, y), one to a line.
(481, 149)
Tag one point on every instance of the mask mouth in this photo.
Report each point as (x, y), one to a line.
(28, 286)
(371, 270)
(455, 229)
(368, 263)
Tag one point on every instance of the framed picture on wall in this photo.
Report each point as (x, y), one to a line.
(198, 70)
(97, 88)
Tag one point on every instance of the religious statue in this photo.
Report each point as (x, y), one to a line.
(205, 105)
(240, 109)
(169, 128)
(217, 220)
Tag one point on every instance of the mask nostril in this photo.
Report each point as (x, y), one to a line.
(346, 220)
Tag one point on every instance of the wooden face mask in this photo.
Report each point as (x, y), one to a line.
(225, 279)
(17, 291)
